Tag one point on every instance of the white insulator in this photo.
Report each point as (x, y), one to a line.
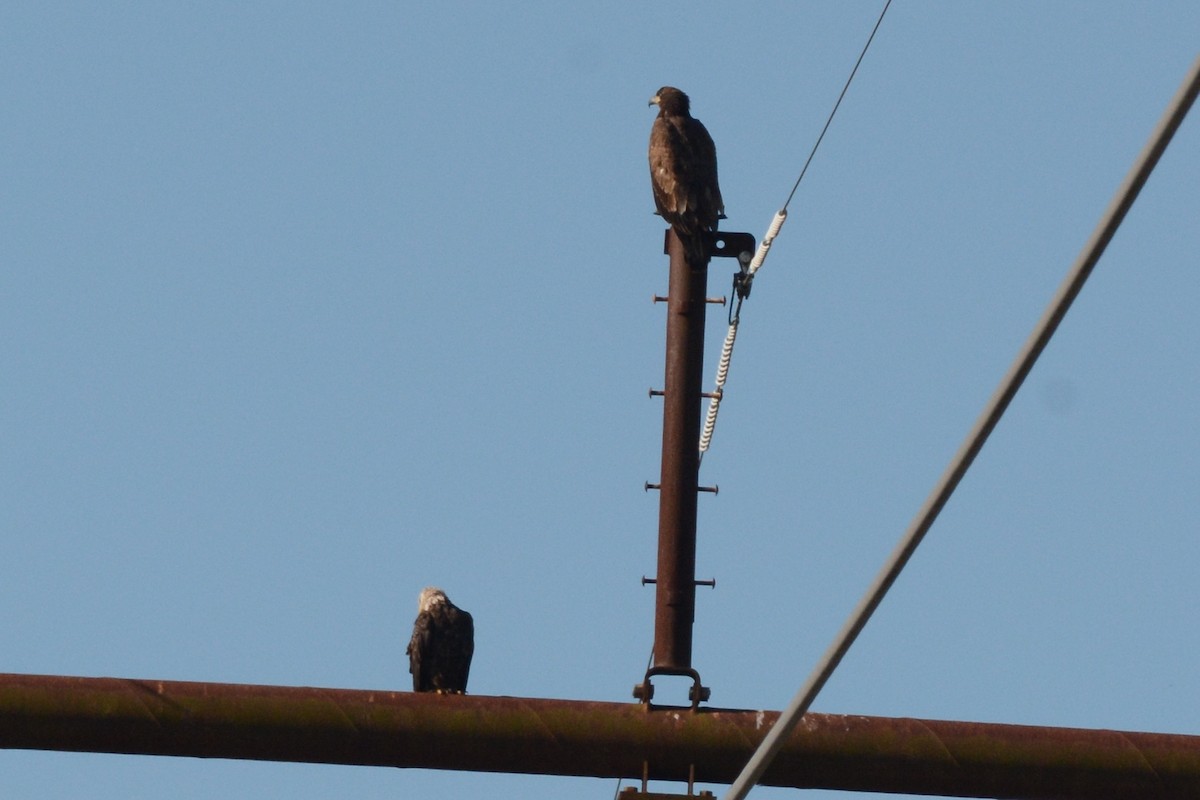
(726, 354)
(714, 403)
(772, 231)
(710, 422)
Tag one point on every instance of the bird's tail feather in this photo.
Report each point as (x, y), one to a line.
(695, 247)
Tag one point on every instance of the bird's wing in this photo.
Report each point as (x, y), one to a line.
(664, 177)
(458, 643)
(418, 651)
(468, 629)
(702, 181)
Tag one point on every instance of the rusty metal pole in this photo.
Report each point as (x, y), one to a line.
(675, 595)
(602, 740)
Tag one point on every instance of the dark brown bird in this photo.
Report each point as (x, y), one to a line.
(443, 641)
(683, 172)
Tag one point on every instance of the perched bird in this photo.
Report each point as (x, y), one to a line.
(683, 172)
(443, 641)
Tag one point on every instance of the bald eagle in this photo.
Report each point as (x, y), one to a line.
(683, 172)
(443, 641)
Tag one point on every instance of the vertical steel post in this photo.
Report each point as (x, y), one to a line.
(675, 595)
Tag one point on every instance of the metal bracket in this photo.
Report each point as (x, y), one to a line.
(697, 694)
(723, 244)
(632, 793)
(742, 278)
(727, 244)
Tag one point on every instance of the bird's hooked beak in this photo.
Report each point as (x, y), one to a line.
(653, 101)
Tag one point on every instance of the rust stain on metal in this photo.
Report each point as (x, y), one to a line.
(535, 736)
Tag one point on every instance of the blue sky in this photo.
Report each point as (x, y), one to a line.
(304, 307)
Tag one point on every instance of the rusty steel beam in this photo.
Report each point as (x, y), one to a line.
(605, 740)
(675, 589)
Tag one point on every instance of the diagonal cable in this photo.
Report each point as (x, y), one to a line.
(1067, 292)
(841, 96)
(743, 282)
